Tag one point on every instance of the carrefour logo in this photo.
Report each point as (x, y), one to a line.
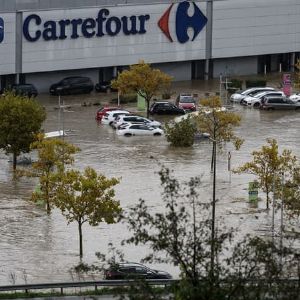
(1, 30)
(183, 21)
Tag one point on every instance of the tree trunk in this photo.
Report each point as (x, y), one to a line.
(148, 107)
(47, 200)
(14, 161)
(212, 159)
(80, 239)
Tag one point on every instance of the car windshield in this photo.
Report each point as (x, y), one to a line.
(187, 100)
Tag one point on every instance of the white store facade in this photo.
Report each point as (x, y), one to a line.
(43, 41)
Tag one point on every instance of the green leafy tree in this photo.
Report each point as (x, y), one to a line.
(53, 155)
(268, 165)
(143, 80)
(86, 197)
(21, 120)
(182, 133)
(289, 191)
(179, 235)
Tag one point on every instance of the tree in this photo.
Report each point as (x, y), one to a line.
(143, 80)
(53, 155)
(21, 119)
(180, 234)
(219, 124)
(181, 134)
(268, 165)
(86, 197)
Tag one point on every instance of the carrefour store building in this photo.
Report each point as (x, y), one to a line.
(43, 41)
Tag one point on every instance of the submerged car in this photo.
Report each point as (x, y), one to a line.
(186, 102)
(133, 119)
(25, 89)
(72, 85)
(239, 96)
(134, 271)
(110, 116)
(165, 108)
(255, 101)
(138, 129)
(103, 110)
(272, 103)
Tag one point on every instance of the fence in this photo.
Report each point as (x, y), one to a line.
(87, 284)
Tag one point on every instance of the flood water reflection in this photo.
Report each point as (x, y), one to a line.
(36, 247)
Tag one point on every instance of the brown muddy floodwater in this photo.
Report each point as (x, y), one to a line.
(35, 247)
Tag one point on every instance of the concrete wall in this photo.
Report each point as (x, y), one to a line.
(8, 45)
(255, 27)
(235, 66)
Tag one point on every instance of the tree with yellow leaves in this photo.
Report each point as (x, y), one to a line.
(143, 80)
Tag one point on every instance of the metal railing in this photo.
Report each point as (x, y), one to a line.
(87, 284)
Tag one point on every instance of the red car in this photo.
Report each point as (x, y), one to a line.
(186, 102)
(103, 110)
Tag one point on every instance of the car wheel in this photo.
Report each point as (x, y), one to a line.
(127, 134)
(256, 105)
(157, 134)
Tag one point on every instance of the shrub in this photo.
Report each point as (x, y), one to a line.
(129, 98)
(255, 83)
(181, 134)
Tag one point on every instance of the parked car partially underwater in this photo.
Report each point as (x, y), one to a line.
(165, 108)
(282, 103)
(239, 96)
(134, 119)
(24, 89)
(72, 85)
(186, 101)
(138, 129)
(103, 110)
(134, 271)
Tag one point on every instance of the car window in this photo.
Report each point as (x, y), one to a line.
(187, 100)
(140, 270)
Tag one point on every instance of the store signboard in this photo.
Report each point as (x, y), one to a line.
(287, 84)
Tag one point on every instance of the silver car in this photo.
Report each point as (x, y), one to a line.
(272, 103)
(239, 96)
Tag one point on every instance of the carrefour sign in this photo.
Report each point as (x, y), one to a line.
(104, 23)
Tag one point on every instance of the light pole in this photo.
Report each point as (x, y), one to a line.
(60, 116)
(213, 217)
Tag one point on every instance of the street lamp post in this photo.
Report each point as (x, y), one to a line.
(213, 217)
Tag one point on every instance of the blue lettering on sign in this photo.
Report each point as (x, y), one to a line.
(183, 21)
(1, 30)
(102, 25)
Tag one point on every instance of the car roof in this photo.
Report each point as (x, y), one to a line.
(118, 111)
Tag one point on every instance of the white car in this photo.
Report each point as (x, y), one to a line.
(110, 116)
(255, 101)
(238, 97)
(138, 129)
(134, 119)
(295, 97)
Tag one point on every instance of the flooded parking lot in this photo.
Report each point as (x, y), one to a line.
(36, 247)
